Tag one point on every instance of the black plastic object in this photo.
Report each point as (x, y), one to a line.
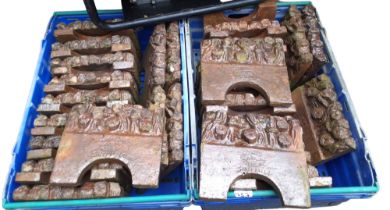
(147, 12)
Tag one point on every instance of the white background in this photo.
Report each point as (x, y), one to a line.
(358, 32)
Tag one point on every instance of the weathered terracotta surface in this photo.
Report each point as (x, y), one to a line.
(245, 100)
(306, 54)
(238, 63)
(242, 28)
(56, 120)
(244, 184)
(51, 108)
(313, 34)
(46, 131)
(163, 91)
(164, 154)
(40, 159)
(157, 98)
(93, 45)
(114, 172)
(174, 125)
(267, 10)
(90, 80)
(117, 61)
(107, 171)
(37, 154)
(173, 71)
(98, 134)
(255, 24)
(35, 171)
(260, 51)
(33, 177)
(219, 126)
(42, 142)
(249, 145)
(94, 67)
(315, 181)
(41, 165)
(88, 190)
(48, 125)
(299, 57)
(82, 30)
(99, 96)
(320, 182)
(77, 30)
(327, 133)
(155, 61)
(156, 101)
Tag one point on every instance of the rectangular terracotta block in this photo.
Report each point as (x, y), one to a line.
(299, 58)
(40, 154)
(317, 47)
(327, 133)
(321, 182)
(231, 65)
(60, 70)
(93, 45)
(103, 134)
(106, 174)
(250, 145)
(32, 177)
(46, 131)
(51, 108)
(56, 88)
(97, 79)
(44, 142)
(244, 184)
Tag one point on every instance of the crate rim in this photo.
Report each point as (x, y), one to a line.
(94, 202)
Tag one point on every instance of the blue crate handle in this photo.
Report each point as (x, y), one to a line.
(150, 12)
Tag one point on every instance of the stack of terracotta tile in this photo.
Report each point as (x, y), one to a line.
(93, 115)
(163, 89)
(305, 49)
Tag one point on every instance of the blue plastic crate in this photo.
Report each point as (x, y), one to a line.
(174, 190)
(353, 174)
